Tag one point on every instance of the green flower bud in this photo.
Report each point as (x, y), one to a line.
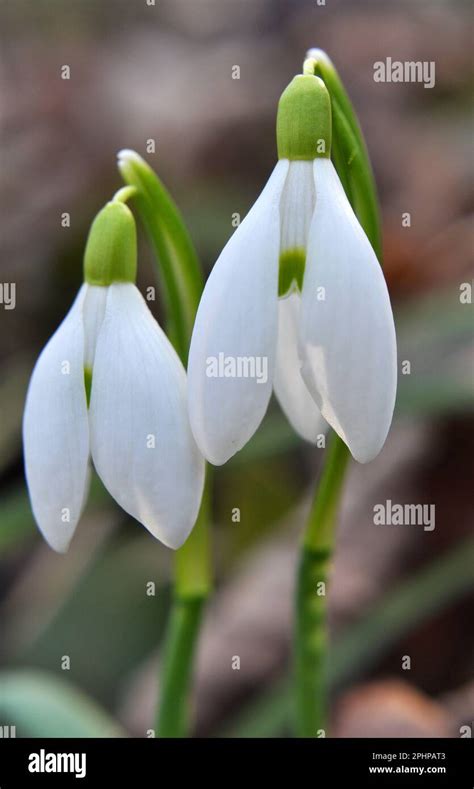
(111, 249)
(304, 120)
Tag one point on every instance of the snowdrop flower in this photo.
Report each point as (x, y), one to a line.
(299, 285)
(109, 384)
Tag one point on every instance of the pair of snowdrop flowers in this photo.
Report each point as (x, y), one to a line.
(297, 292)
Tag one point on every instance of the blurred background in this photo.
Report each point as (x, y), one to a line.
(140, 72)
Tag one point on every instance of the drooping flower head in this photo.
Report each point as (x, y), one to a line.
(109, 385)
(299, 287)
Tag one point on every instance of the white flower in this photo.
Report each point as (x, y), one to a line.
(298, 284)
(136, 428)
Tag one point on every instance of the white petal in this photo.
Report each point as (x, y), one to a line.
(141, 441)
(348, 339)
(290, 389)
(236, 320)
(56, 431)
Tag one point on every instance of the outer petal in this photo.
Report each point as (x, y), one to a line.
(348, 339)
(290, 389)
(237, 319)
(141, 441)
(56, 431)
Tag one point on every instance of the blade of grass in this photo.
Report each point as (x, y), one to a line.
(42, 705)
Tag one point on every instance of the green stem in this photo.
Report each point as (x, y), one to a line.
(182, 281)
(350, 157)
(319, 533)
(180, 646)
(191, 590)
(124, 193)
(193, 571)
(311, 593)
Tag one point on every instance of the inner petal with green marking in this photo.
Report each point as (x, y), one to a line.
(93, 316)
(296, 210)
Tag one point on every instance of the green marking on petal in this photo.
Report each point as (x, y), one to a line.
(291, 271)
(88, 383)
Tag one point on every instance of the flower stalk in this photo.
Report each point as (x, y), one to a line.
(180, 275)
(311, 643)
(350, 157)
(193, 583)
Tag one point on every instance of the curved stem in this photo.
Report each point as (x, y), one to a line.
(177, 262)
(124, 193)
(180, 274)
(350, 157)
(349, 147)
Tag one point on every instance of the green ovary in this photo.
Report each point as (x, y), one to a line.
(111, 249)
(291, 271)
(304, 120)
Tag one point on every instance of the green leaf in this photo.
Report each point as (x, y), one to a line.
(41, 705)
